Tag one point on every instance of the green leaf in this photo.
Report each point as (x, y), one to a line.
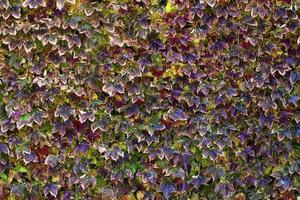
(3, 177)
(268, 170)
(46, 129)
(170, 7)
(25, 117)
(38, 44)
(161, 164)
(297, 150)
(297, 182)
(14, 61)
(132, 166)
(21, 169)
(205, 162)
(100, 181)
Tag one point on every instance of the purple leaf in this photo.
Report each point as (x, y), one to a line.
(52, 160)
(186, 158)
(197, 181)
(167, 189)
(211, 3)
(82, 147)
(65, 111)
(225, 189)
(284, 182)
(294, 99)
(156, 45)
(294, 77)
(30, 157)
(4, 148)
(50, 188)
(250, 151)
(53, 189)
(174, 57)
(34, 3)
(16, 12)
(17, 189)
(98, 124)
(112, 89)
(55, 58)
(60, 4)
(178, 115)
(144, 61)
(83, 116)
(190, 58)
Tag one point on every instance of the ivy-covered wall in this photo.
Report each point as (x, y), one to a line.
(149, 99)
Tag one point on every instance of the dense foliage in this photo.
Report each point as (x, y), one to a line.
(149, 99)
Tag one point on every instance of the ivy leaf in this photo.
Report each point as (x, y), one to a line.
(169, 7)
(20, 169)
(25, 117)
(167, 189)
(3, 177)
